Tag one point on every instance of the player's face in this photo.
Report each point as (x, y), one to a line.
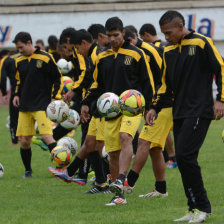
(67, 50)
(24, 49)
(82, 49)
(116, 38)
(173, 32)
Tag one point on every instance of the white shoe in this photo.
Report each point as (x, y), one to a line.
(153, 194)
(198, 216)
(186, 218)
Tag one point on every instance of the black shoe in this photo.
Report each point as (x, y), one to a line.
(117, 187)
(104, 188)
(28, 174)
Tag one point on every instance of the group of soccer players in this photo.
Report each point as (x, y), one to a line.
(175, 79)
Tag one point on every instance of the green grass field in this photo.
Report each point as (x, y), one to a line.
(44, 199)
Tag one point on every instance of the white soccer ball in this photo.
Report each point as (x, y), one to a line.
(57, 111)
(1, 170)
(72, 121)
(70, 143)
(108, 105)
(105, 154)
(64, 66)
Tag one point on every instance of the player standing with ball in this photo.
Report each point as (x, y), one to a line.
(37, 74)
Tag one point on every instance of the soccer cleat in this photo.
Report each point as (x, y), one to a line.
(76, 179)
(27, 174)
(223, 135)
(153, 194)
(13, 144)
(39, 141)
(117, 200)
(55, 170)
(188, 216)
(104, 188)
(60, 173)
(198, 216)
(128, 189)
(171, 164)
(117, 187)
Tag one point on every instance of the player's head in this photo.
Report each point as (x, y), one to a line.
(115, 32)
(147, 32)
(83, 41)
(172, 25)
(52, 41)
(23, 42)
(133, 30)
(130, 36)
(40, 44)
(65, 41)
(98, 33)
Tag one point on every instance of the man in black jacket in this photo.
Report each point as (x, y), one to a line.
(37, 74)
(189, 63)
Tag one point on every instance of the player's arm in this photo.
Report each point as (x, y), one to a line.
(3, 75)
(217, 67)
(56, 77)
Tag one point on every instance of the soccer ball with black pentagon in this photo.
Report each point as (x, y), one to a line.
(61, 156)
(132, 102)
(57, 111)
(72, 120)
(107, 105)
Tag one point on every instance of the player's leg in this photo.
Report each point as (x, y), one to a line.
(172, 163)
(26, 130)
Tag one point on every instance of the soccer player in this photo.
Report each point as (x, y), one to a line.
(191, 59)
(8, 69)
(121, 67)
(36, 74)
(94, 139)
(52, 47)
(151, 139)
(98, 33)
(40, 44)
(148, 34)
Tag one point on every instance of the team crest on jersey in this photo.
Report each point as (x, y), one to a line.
(128, 60)
(192, 50)
(39, 64)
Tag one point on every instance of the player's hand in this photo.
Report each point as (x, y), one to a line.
(150, 117)
(69, 95)
(16, 101)
(85, 116)
(218, 109)
(5, 99)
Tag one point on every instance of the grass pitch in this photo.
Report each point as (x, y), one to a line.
(44, 199)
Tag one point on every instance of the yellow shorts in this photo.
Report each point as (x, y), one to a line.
(112, 129)
(157, 133)
(27, 120)
(96, 128)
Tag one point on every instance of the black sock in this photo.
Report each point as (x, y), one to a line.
(59, 132)
(161, 186)
(84, 169)
(97, 165)
(106, 167)
(26, 155)
(74, 166)
(121, 177)
(165, 155)
(132, 178)
(173, 159)
(51, 146)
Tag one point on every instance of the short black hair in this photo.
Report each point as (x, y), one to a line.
(132, 28)
(128, 33)
(148, 28)
(95, 29)
(4, 52)
(24, 37)
(81, 35)
(168, 16)
(66, 35)
(114, 23)
(52, 41)
(40, 41)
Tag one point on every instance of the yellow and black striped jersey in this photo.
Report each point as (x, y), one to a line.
(36, 76)
(188, 69)
(55, 54)
(118, 71)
